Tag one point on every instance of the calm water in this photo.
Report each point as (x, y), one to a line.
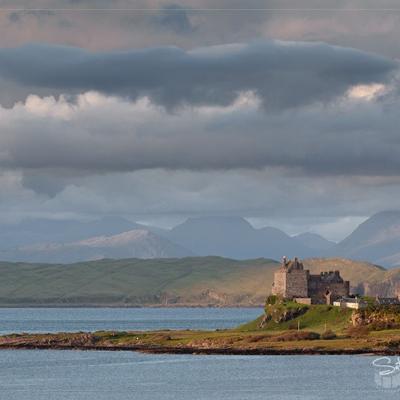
(76, 375)
(94, 319)
(85, 375)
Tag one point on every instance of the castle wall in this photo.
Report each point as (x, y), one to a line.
(279, 286)
(318, 286)
(297, 284)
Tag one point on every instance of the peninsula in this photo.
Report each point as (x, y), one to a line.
(284, 328)
(306, 314)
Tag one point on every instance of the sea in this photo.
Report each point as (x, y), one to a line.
(123, 375)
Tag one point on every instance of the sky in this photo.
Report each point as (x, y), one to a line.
(282, 112)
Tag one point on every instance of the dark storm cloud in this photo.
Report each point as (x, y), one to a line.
(282, 74)
(98, 134)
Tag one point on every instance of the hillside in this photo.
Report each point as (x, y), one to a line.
(359, 273)
(317, 318)
(197, 281)
(134, 282)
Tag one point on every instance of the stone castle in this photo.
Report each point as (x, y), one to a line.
(292, 281)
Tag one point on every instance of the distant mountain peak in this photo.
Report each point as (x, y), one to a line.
(120, 239)
(235, 237)
(314, 241)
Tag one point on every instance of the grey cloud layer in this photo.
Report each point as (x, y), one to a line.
(282, 74)
(75, 158)
(102, 134)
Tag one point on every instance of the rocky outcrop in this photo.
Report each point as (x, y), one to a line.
(282, 312)
(377, 318)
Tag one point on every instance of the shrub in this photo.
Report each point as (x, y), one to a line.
(298, 335)
(328, 335)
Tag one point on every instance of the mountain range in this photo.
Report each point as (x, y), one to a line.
(137, 243)
(377, 240)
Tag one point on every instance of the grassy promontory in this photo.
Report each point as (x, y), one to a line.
(284, 329)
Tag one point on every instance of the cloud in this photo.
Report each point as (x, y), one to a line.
(282, 74)
(326, 148)
(102, 134)
(102, 155)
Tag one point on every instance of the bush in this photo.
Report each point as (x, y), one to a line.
(328, 335)
(298, 335)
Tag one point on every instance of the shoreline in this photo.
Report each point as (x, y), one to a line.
(200, 351)
(227, 342)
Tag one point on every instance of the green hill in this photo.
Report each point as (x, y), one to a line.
(193, 281)
(134, 282)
